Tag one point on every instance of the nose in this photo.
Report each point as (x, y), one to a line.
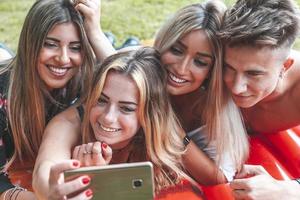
(183, 66)
(63, 56)
(239, 85)
(110, 115)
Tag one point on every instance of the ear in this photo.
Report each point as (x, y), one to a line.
(288, 63)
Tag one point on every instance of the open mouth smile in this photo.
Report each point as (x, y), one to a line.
(176, 79)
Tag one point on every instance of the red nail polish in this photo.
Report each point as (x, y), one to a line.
(75, 164)
(85, 180)
(104, 145)
(88, 193)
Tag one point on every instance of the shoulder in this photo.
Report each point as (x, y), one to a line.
(68, 119)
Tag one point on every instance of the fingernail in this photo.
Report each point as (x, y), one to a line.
(75, 164)
(104, 145)
(88, 193)
(85, 180)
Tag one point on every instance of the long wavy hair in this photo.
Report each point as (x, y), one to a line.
(159, 125)
(28, 98)
(221, 116)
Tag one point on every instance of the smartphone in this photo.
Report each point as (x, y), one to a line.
(126, 181)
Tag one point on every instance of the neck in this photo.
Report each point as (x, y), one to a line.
(186, 99)
(121, 155)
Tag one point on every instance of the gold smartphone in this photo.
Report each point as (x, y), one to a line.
(127, 181)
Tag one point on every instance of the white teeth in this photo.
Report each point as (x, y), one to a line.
(176, 79)
(109, 129)
(58, 70)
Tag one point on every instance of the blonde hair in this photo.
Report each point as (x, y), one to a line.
(221, 116)
(27, 94)
(162, 133)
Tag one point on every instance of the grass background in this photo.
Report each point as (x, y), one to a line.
(124, 18)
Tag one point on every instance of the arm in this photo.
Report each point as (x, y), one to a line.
(91, 12)
(61, 134)
(262, 186)
(202, 168)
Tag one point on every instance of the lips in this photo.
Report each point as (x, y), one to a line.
(58, 71)
(108, 129)
(175, 79)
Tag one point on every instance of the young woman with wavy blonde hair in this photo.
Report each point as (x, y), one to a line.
(127, 117)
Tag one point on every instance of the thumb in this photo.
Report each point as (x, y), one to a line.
(57, 170)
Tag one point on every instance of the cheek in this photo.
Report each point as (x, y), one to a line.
(167, 58)
(77, 58)
(132, 124)
(200, 74)
(263, 86)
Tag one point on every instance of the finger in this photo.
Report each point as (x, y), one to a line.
(239, 194)
(251, 170)
(107, 152)
(96, 150)
(97, 154)
(87, 194)
(240, 184)
(82, 152)
(57, 170)
(86, 8)
(88, 156)
(70, 187)
(75, 154)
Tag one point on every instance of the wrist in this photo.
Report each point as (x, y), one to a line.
(13, 193)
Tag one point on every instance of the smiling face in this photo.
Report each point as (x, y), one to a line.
(252, 74)
(188, 62)
(115, 117)
(60, 57)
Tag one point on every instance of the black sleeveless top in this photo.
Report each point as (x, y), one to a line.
(6, 141)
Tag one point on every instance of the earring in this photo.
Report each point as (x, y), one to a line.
(281, 74)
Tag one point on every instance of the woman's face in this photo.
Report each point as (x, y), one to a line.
(60, 57)
(188, 62)
(115, 117)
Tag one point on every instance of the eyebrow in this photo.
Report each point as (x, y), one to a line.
(122, 102)
(56, 40)
(198, 53)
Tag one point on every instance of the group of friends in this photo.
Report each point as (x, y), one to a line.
(69, 99)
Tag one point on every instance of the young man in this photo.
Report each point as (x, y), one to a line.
(263, 74)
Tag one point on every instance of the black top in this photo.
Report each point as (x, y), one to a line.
(6, 141)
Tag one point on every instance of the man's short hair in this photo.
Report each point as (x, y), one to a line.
(261, 23)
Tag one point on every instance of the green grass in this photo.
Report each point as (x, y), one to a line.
(140, 18)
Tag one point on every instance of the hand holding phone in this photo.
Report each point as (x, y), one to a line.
(127, 181)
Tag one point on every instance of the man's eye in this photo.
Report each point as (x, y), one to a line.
(254, 73)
